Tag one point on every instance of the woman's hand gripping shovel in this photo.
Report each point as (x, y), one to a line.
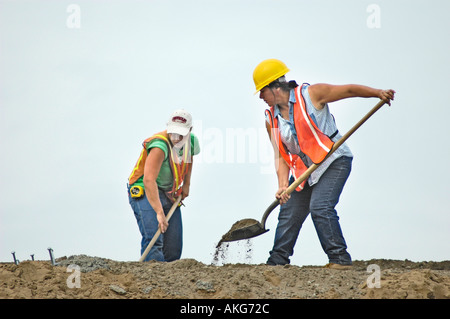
(155, 237)
(248, 228)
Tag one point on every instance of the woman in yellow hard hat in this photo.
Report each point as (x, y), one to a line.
(302, 131)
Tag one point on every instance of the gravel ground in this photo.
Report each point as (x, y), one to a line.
(88, 277)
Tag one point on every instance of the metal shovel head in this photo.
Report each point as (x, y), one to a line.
(243, 229)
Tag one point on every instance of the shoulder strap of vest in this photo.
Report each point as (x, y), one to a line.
(269, 114)
(275, 133)
(161, 136)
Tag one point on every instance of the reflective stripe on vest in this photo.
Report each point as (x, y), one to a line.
(311, 140)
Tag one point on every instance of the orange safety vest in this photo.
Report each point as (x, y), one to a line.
(311, 140)
(178, 168)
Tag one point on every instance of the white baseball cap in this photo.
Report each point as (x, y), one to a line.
(180, 122)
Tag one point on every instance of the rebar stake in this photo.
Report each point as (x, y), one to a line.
(52, 259)
(14, 256)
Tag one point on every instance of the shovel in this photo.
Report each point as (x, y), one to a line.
(248, 228)
(155, 237)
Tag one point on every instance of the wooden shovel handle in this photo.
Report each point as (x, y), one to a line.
(158, 232)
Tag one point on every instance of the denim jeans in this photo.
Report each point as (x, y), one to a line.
(320, 200)
(169, 245)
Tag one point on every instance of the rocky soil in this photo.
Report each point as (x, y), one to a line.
(87, 277)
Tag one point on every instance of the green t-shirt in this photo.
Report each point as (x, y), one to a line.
(165, 178)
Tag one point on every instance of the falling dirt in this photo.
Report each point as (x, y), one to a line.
(220, 253)
(85, 277)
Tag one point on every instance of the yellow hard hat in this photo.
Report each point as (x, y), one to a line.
(268, 71)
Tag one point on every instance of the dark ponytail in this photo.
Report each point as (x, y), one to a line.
(282, 84)
(292, 84)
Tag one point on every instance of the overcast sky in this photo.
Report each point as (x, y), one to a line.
(83, 83)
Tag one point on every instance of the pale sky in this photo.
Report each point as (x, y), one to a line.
(83, 83)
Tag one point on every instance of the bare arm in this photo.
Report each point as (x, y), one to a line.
(152, 167)
(325, 93)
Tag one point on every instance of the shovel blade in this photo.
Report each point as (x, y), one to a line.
(244, 229)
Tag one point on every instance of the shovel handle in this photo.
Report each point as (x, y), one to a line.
(158, 232)
(313, 167)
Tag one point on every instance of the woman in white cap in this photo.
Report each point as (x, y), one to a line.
(161, 174)
(302, 131)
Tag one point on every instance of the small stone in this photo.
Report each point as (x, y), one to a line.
(147, 289)
(117, 289)
(205, 285)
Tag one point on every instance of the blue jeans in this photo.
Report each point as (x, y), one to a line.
(319, 200)
(169, 245)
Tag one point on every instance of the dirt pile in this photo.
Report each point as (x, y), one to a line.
(99, 278)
